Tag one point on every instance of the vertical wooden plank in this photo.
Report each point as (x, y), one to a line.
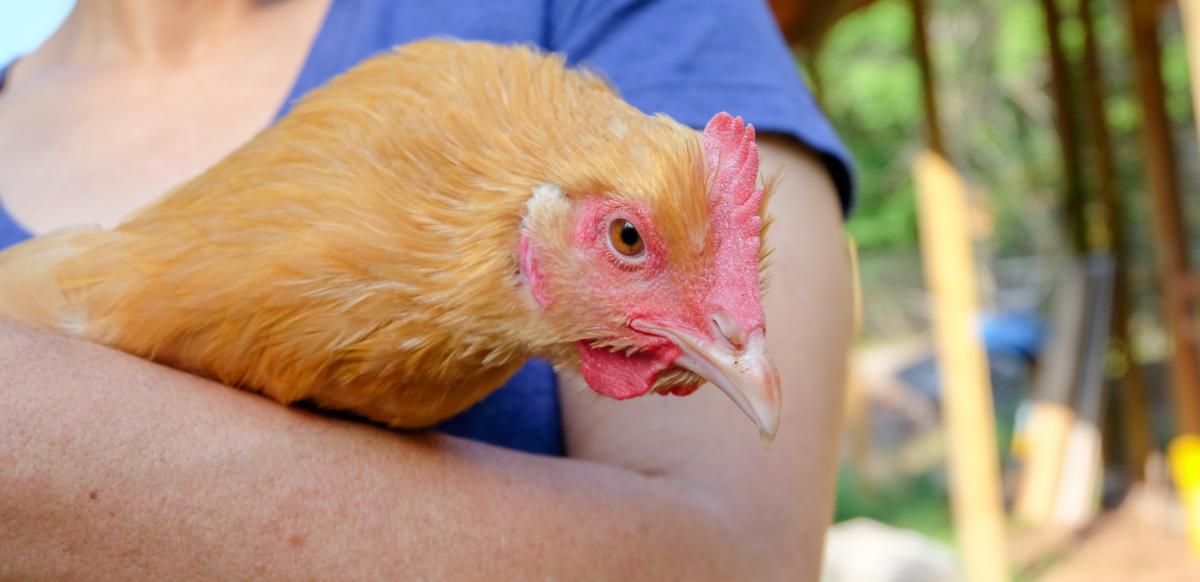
(1067, 128)
(858, 411)
(1132, 393)
(962, 367)
(1083, 462)
(1170, 239)
(933, 124)
(1051, 415)
(943, 216)
(1190, 10)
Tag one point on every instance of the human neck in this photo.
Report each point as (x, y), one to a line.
(146, 31)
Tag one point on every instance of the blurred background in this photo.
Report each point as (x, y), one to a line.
(1024, 395)
(24, 25)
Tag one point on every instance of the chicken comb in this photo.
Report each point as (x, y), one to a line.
(731, 160)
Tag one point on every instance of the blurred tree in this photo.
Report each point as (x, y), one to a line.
(872, 93)
(994, 79)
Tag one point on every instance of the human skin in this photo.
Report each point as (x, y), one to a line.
(115, 468)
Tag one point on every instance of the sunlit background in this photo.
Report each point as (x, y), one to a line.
(24, 24)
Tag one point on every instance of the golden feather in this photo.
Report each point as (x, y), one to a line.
(360, 252)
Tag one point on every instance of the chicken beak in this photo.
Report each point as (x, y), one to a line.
(743, 372)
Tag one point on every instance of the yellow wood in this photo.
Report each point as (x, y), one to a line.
(962, 365)
(857, 412)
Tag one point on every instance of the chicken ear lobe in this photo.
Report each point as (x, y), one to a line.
(545, 208)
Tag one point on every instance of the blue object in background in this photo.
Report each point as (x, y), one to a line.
(24, 24)
(1013, 342)
(1014, 333)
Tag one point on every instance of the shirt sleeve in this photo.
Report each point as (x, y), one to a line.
(693, 58)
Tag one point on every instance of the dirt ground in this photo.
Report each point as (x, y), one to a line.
(1143, 539)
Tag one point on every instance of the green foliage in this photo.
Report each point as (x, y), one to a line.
(916, 502)
(997, 111)
(1019, 44)
(998, 117)
(1175, 75)
(872, 93)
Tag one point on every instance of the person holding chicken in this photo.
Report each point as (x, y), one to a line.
(659, 487)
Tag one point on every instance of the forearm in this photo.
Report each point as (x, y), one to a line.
(111, 467)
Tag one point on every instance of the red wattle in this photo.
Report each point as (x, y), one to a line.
(618, 376)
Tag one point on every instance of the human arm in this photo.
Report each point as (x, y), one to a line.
(111, 467)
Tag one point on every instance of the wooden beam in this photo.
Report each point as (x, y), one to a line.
(962, 370)
(1132, 393)
(1051, 414)
(946, 254)
(1190, 287)
(1067, 128)
(1079, 491)
(1190, 11)
(858, 409)
(1170, 238)
(933, 124)
(805, 22)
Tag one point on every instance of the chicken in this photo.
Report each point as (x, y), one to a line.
(415, 230)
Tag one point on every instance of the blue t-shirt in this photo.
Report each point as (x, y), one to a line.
(687, 58)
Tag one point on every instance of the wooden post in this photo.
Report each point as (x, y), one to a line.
(1169, 237)
(858, 410)
(1067, 128)
(1190, 10)
(1082, 478)
(933, 123)
(946, 253)
(1051, 415)
(1132, 393)
(962, 370)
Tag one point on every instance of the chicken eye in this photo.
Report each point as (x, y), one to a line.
(625, 238)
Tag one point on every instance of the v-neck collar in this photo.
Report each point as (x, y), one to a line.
(322, 54)
(322, 60)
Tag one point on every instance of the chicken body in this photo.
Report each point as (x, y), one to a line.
(406, 238)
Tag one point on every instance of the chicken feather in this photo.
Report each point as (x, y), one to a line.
(363, 252)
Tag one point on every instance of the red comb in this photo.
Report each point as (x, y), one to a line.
(731, 159)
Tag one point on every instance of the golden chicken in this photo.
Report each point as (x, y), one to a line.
(414, 231)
